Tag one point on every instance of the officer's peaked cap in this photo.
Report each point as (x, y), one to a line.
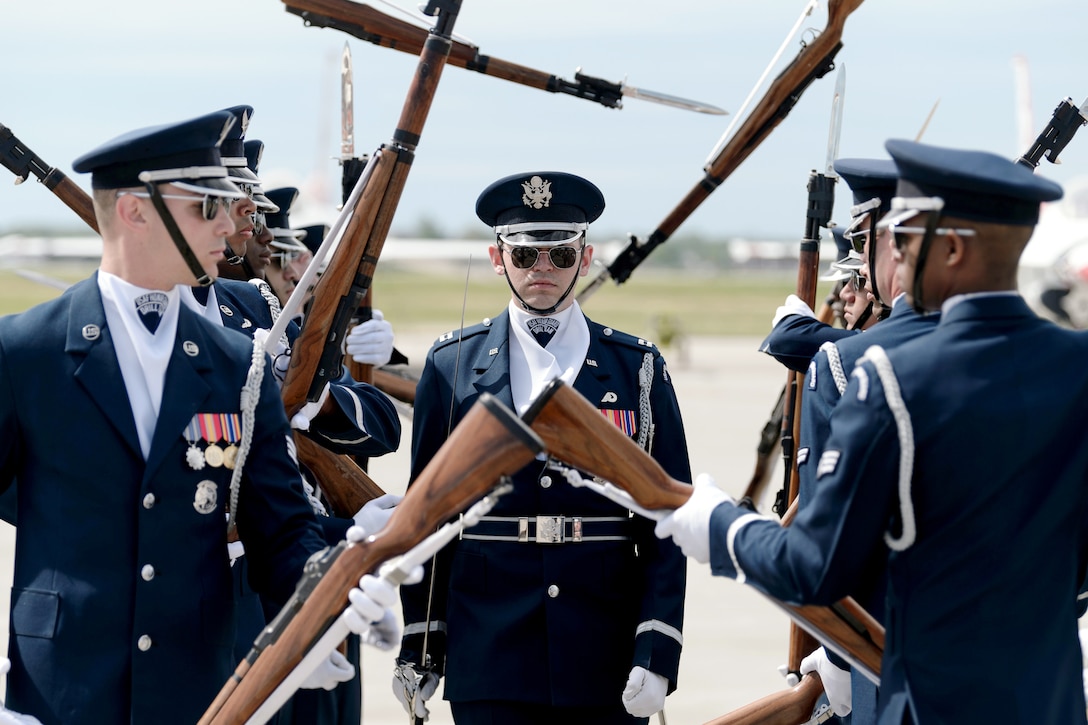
(186, 152)
(279, 221)
(974, 185)
(870, 179)
(540, 197)
(233, 148)
(254, 151)
(313, 235)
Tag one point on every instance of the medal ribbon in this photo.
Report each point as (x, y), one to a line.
(623, 419)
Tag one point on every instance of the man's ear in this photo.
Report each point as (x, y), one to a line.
(127, 210)
(495, 254)
(955, 249)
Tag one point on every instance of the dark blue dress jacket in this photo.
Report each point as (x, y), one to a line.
(988, 531)
(555, 624)
(121, 568)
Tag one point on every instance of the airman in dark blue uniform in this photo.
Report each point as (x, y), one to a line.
(121, 569)
(558, 606)
(956, 462)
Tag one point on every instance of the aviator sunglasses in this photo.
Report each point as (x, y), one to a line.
(525, 257)
(857, 281)
(209, 203)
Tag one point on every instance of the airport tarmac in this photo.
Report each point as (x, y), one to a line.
(734, 638)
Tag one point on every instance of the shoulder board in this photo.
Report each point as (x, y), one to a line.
(623, 338)
(452, 336)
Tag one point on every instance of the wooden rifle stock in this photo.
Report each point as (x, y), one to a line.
(790, 707)
(814, 61)
(372, 25)
(317, 355)
(395, 385)
(491, 442)
(23, 162)
(576, 433)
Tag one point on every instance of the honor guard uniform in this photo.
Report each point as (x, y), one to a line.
(558, 601)
(121, 568)
(873, 183)
(956, 461)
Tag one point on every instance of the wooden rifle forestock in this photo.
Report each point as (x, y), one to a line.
(573, 431)
(317, 353)
(814, 60)
(789, 707)
(491, 442)
(372, 25)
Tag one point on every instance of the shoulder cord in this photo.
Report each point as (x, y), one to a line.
(251, 395)
(645, 414)
(834, 362)
(894, 397)
(274, 309)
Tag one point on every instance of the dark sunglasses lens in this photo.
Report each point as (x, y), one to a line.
(523, 257)
(211, 205)
(563, 257)
(258, 223)
(901, 239)
(858, 281)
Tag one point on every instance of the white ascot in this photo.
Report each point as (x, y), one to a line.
(142, 356)
(532, 367)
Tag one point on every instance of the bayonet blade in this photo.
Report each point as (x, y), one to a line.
(835, 131)
(347, 106)
(674, 101)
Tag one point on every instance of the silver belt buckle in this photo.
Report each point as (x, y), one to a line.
(549, 529)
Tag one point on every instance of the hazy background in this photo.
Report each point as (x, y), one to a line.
(78, 72)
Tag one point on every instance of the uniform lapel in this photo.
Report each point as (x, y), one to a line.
(188, 383)
(592, 380)
(491, 368)
(97, 370)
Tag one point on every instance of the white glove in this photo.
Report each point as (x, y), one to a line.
(7, 717)
(794, 306)
(413, 689)
(305, 415)
(645, 692)
(374, 514)
(281, 356)
(370, 342)
(836, 681)
(689, 525)
(330, 673)
(371, 605)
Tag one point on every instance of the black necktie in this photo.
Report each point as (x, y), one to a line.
(149, 307)
(543, 329)
(201, 294)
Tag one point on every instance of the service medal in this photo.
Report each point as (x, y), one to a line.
(194, 457)
(229, 455)
(213, 454)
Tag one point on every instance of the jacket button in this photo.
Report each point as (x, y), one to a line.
(144, 643)
(607, 331)
(545, 481)
(147, 572)
(553, 591)
(149, 500)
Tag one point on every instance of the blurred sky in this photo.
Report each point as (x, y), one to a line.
(75, 73)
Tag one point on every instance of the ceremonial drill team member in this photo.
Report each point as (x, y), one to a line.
(963, 452)
(557, 607)
(873, 182)
(121, 569)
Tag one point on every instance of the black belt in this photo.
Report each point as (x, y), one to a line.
(550, 529)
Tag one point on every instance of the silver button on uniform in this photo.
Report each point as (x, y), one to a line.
(149, 500)
(144, 643)
(545, 481)
(553, 591)
(147, 572)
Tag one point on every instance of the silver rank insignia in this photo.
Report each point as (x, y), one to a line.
(206, 497)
